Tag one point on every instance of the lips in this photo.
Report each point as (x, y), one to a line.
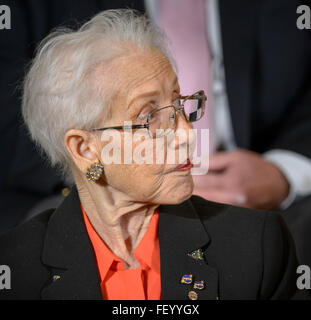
(185, 166)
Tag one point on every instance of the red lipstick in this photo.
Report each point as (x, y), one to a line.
(185, 166)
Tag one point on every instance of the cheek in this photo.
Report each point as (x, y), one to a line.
(127, 164)
(140, 182)
(176, 189)
(145, 182)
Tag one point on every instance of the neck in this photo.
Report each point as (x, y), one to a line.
(119, 221)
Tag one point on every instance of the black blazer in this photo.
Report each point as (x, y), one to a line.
(248, 254)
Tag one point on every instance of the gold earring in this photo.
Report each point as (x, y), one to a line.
(94, 171)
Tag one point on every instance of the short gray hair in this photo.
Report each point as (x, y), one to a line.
(59, 93)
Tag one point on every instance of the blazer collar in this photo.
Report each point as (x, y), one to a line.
(180, 233)
(68, 251)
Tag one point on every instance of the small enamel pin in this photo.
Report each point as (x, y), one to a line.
(197, 254)
(192, 295)
(55, 278)
(198, 285)
(187, 279)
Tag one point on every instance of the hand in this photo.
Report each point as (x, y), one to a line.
(242, 178)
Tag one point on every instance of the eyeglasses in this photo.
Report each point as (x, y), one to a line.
(159, 120)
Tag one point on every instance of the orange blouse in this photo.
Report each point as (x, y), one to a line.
(117, 283)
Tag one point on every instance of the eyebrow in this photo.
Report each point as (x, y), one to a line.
(142, 96)
(149, 94)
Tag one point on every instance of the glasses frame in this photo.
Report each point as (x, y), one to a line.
(180, 108)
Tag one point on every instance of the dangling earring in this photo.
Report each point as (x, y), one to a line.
(94, 171)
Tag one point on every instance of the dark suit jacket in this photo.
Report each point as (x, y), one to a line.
(248, 254)
(268, 74)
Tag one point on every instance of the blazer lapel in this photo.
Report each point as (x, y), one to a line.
(69, 254)
(180, 233)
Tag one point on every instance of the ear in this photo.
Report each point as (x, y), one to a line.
(82, 147)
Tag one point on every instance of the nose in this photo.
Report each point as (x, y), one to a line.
(184, 138)
(182, 124)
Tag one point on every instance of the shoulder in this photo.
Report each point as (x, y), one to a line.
(32, 230)
(216, 213)
(20, 250)
(239, 223)
(250, 244)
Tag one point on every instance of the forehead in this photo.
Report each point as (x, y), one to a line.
(141, 71)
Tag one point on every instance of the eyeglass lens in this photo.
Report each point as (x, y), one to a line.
(165, 118)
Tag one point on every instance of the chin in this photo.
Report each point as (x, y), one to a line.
(182, 199)
(179, 194)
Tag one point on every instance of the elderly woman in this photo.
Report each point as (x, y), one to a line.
(131, 229)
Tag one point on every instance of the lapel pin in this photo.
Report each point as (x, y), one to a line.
(193, 295)
(56, 277)
(187, 279)
(198, 285)
(197, 254)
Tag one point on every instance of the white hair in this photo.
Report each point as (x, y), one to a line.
(59, 89)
